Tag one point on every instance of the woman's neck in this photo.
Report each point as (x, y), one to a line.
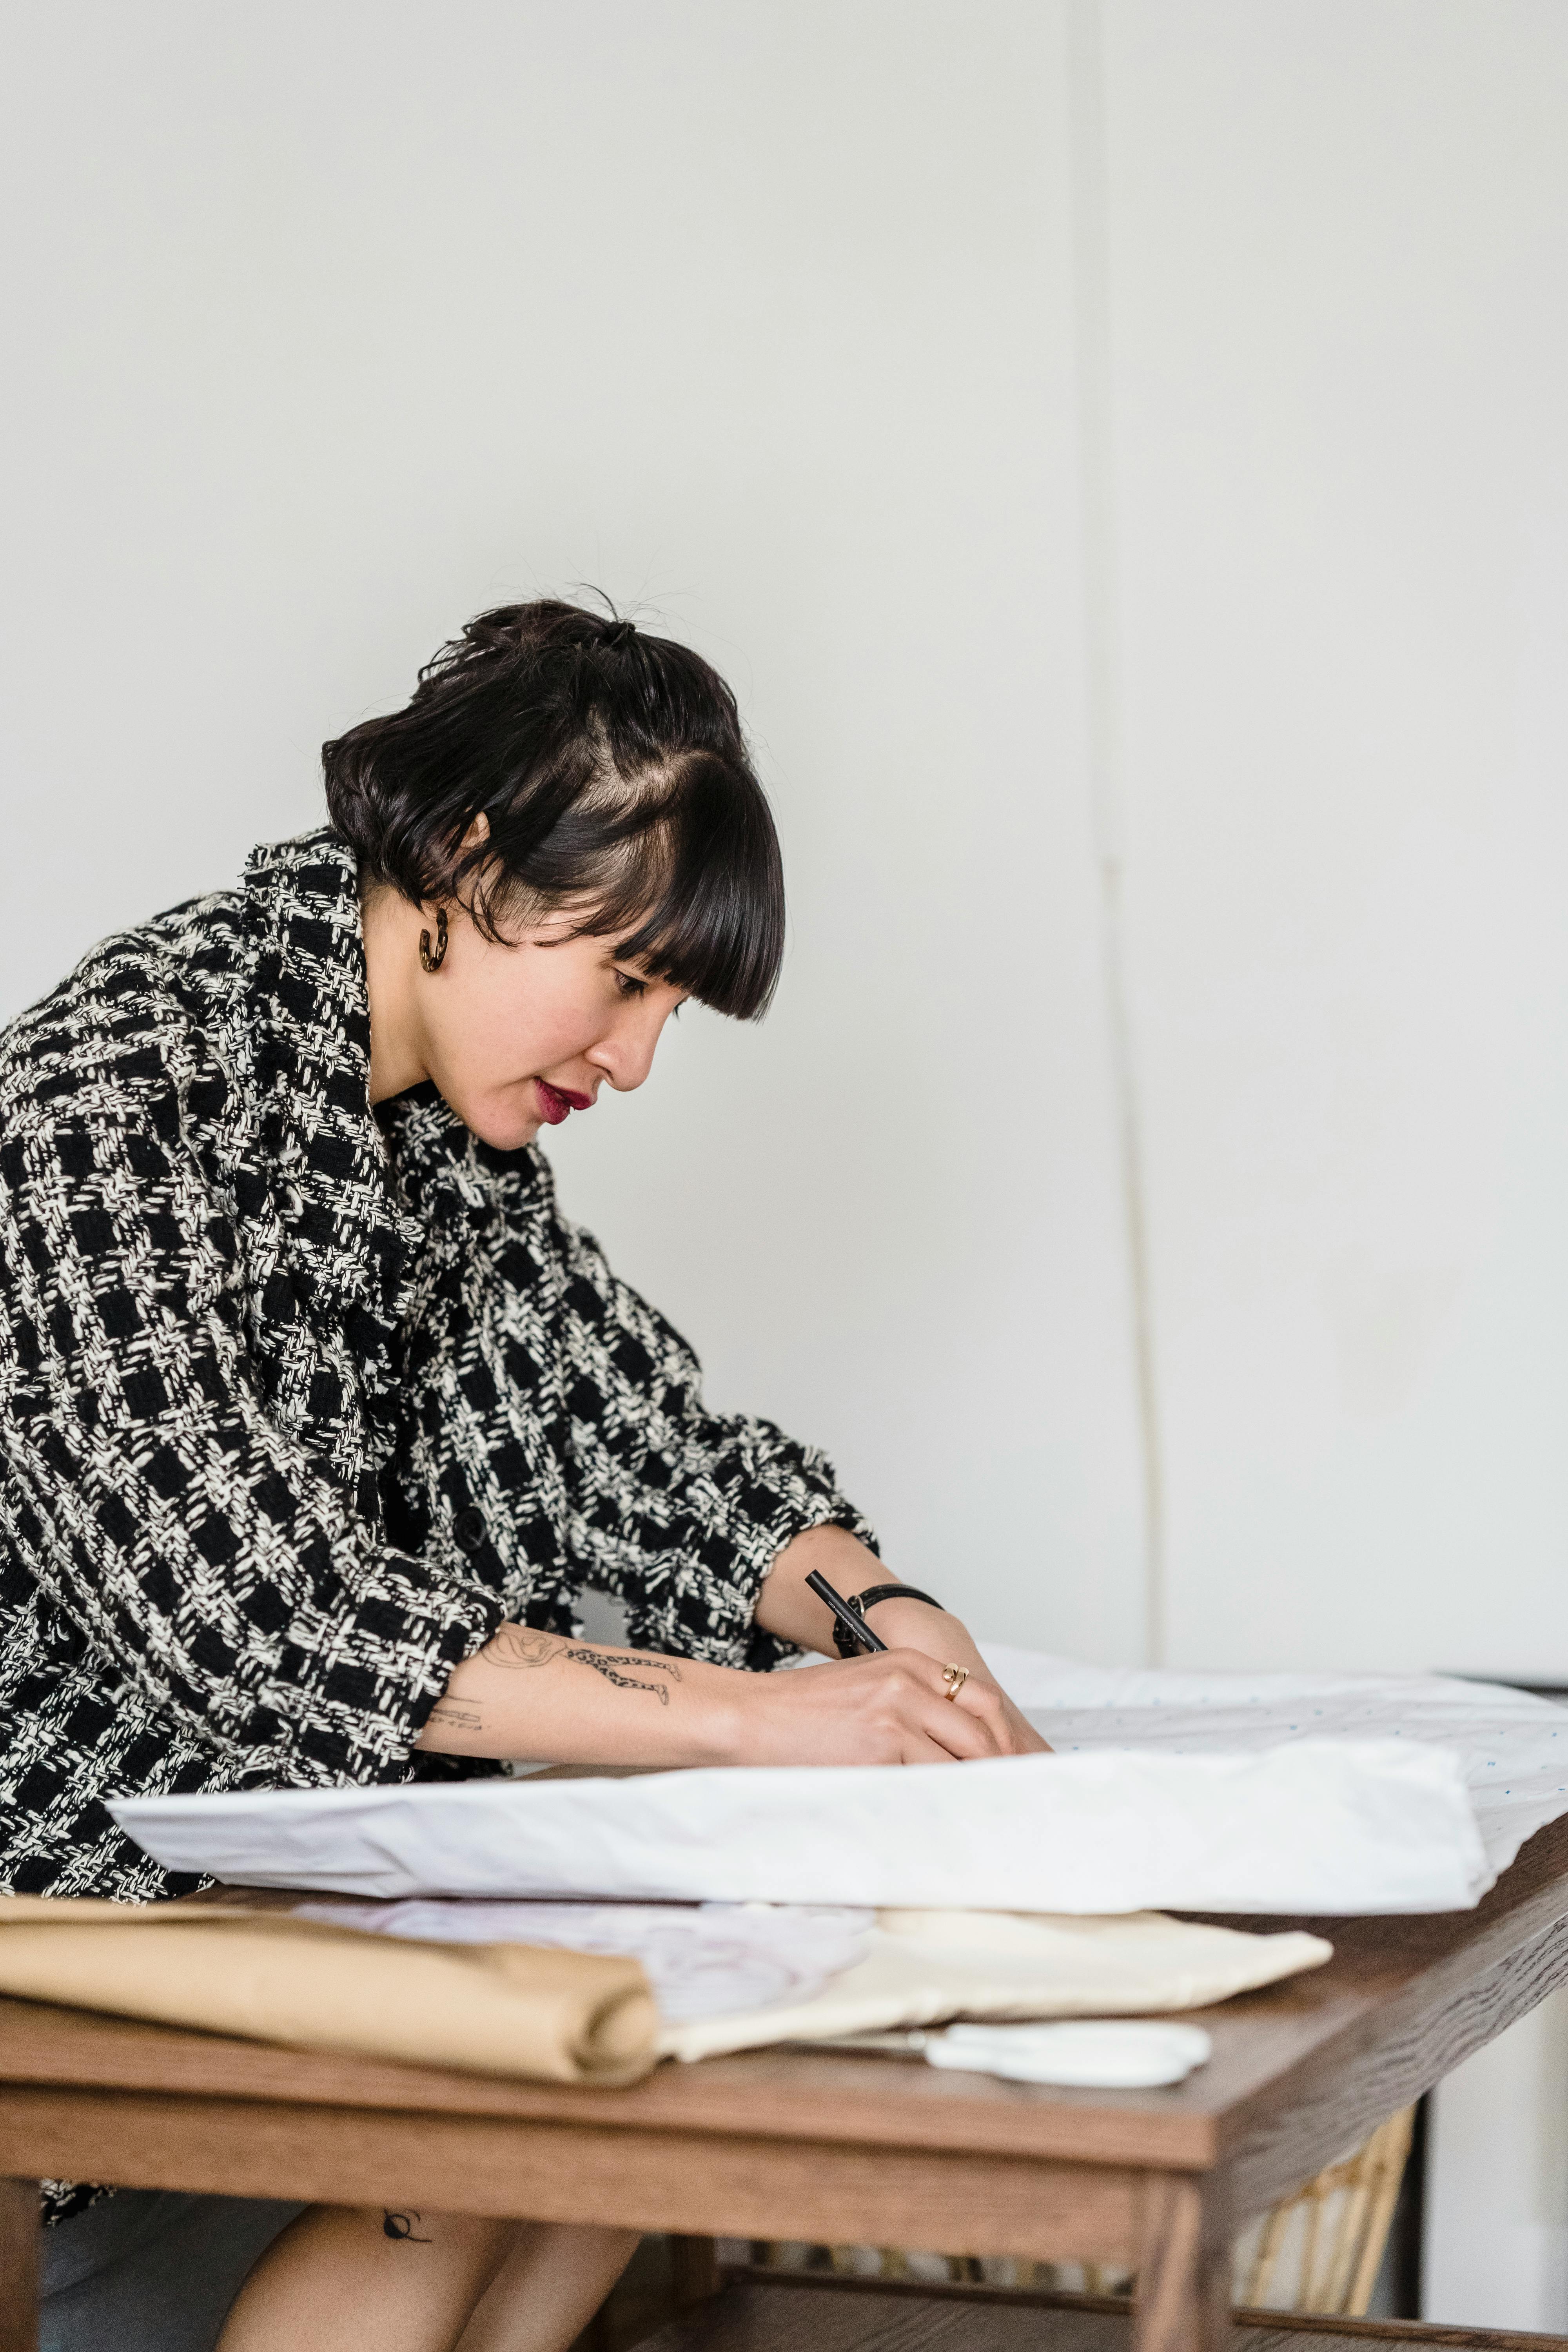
(390, 928)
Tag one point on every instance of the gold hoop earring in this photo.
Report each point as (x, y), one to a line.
(434, 962)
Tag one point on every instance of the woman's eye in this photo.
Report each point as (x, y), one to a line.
(629, 985)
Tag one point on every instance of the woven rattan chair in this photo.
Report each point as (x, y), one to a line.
(1318, 2251)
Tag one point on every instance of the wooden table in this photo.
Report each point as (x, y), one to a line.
(797, 2144)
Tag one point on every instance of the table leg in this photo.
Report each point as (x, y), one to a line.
(1183, 2302)
(19, 2228)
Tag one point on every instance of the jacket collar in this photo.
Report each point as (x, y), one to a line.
(358, 1213)
(350, 1240)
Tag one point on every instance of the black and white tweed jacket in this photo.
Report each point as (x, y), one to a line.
(296, 1405)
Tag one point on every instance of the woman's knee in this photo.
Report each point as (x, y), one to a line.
(417, 2273)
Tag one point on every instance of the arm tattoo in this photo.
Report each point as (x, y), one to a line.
(520, 1645)
(457, 1713)
(610, 1669)
(646, 1662)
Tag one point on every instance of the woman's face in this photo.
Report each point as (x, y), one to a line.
(515, 1036)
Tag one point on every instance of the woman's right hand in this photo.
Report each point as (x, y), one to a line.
(891, 1707)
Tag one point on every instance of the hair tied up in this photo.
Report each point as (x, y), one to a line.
(619, 633)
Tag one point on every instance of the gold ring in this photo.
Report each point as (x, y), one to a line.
(955, 1677)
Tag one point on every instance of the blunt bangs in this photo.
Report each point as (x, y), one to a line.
(613, 778)
(706, 896)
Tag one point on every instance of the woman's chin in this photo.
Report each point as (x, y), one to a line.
(509, 1135)
(505, 1127)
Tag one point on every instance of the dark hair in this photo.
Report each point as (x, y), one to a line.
(613, 773)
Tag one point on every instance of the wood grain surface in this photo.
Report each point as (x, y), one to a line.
(18, 2264)
(1182, 2261)
(830, 2314)
(1102, 2323)
(741, 2186)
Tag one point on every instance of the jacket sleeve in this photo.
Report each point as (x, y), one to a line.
(198, 1548)
(679, 1511)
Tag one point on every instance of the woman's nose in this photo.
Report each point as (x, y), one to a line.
(626, 1056)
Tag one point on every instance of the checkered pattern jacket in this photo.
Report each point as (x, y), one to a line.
(293, 1416)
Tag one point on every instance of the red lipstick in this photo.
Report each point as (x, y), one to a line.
(558, 1102)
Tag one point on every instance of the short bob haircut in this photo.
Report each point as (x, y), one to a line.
(613, 773)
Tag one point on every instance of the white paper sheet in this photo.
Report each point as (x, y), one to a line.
(704, 1959)
(1320, 1825)
(1511, 1747)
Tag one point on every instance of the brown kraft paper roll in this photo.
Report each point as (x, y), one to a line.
(486, 2008)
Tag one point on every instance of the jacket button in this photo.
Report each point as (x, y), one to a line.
(468, 1528)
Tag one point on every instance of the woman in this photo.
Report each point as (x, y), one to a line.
(317, 1416)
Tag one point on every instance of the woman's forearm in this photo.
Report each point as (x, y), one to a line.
(530, 1696)
(786, 1608)
(541, 1699)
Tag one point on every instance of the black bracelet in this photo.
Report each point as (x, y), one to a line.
(845, 1641)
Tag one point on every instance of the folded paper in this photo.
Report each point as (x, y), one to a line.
(1322, 1826)
(925, 1968)
(544, 2015)
(826, 1973)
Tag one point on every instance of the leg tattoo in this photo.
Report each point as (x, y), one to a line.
(401, 2227)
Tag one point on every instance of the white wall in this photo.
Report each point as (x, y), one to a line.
(335, 324)
(1337, 235)
(1496, 2235)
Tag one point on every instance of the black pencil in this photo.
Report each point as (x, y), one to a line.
(851, 1619)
